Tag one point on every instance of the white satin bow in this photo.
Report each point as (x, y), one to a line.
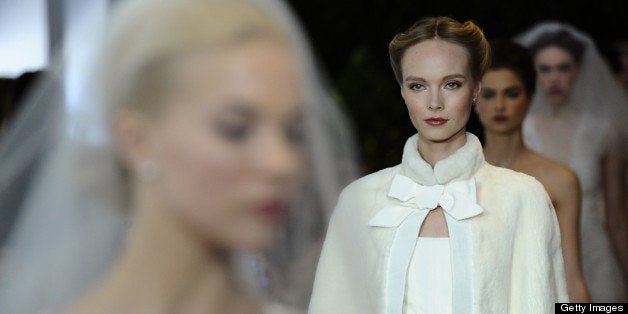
(458, 200)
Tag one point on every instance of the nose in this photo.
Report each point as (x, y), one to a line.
(553, 76)
(500, 104)
(435, 102)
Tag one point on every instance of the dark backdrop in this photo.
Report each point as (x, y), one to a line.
(351, 37)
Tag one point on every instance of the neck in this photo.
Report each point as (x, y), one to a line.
(433, 152)
(558, 108)
(165, 267)
(503, 149)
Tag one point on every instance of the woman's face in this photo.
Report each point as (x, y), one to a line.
(556, 72)
(438, 89)
(228, 143)
(503, 101)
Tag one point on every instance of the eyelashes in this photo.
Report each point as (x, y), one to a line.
(241, 130)
(447, 85)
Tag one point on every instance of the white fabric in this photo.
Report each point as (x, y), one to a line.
(593, 122)
(430, 267)
(456, 198)
(505, 260)
(600, 265)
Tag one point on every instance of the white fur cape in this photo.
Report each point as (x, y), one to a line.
(505, 260)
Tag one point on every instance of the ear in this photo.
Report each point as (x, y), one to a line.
(476, 89)
(131, 133)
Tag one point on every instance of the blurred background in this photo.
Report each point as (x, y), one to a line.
(350, 38)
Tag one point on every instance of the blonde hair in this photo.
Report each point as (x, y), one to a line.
(146, 36)
(467, 34)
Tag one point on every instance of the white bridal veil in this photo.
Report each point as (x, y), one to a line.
(58, 171)
(596, 90)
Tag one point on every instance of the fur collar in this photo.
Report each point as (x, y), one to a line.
(461, 165)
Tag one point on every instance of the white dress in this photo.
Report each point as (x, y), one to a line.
(582, 147)
(429, 282)
(505, 258)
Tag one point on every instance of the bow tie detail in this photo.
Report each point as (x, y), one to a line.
(458, 200)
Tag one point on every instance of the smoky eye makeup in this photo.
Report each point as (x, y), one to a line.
(236, 123)
(543, 68)
(233, 128)
(513, 93)
(565, 67)
(487, 94)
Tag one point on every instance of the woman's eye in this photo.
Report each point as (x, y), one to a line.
(416, 86)
(233, 131)
(452, 85)
(487, 95)
(513, 95)
(563, 68)
(543, 69)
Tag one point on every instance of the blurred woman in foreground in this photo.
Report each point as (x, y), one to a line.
(204, 131)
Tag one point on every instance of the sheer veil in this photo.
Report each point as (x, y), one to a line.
(596, 90)
(58, 171)
(581, 134)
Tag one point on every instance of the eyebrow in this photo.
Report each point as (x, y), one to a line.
(448, 77)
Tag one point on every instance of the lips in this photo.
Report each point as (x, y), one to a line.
(555, 91)
(436, 121)
(500, 118)
(271, 209)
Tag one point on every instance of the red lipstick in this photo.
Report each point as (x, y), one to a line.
(500, 118)
(436, 121)
(272, 209)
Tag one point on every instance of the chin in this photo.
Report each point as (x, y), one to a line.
(558, 100)
(439, 136)
(257, 238)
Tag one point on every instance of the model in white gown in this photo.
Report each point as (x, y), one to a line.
(582, 133)
(583, 151)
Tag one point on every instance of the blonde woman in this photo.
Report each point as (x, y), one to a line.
(203, 133)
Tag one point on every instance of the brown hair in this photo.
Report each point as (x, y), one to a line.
(467, 34)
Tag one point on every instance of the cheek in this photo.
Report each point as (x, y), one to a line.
(482, 108)
(543, 80)
(519, 108)
(199, 171)
(460, 106)
(415, 107)
(570, 78)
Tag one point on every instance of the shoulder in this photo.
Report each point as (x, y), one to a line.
(511, 189)
(554, 176)
(371, 183)
(500, 178)
(360, 199)
(509, 193)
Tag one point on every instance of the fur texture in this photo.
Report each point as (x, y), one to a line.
(516, 260)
